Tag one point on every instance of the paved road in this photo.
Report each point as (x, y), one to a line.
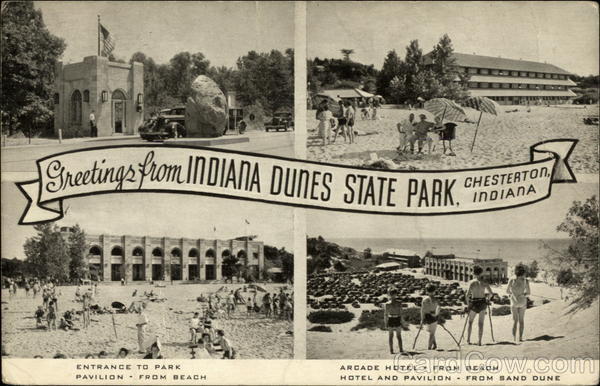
(18, 163)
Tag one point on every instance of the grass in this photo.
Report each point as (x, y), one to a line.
(330, 317)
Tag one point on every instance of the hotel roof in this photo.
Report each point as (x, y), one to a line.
(492, 62)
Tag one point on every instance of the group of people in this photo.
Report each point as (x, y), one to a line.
(424, 132)
(341, 123)
(205, 336)
(477, 298)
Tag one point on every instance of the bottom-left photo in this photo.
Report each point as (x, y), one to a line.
(155, 276)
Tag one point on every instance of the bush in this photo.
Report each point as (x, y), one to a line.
(330, 317)
(374, 319)
(501, 311)
(320, 329)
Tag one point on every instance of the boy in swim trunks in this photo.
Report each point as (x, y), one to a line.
(430, 309)
(518, 289)
(392, 319)
(477, 301)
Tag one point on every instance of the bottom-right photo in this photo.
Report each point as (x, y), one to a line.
(519, 283)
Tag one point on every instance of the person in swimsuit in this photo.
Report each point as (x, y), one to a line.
(350, 112)
(392, 314)
(430, 309)
(518, 289)
(477, 301)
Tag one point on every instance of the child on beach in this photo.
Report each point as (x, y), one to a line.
(477, 301)
(430, 309)
(518, 290)
(228, 350)
(51, 316)
(392, 320)
(195, 327)
(325, 117)
(39, 317)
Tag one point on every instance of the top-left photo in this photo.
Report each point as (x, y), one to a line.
(87, 74)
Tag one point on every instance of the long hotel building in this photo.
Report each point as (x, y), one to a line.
(510, 81)
(142, 258)
(450, 267)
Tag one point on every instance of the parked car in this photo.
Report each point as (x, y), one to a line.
(170, 123)
(282, 120)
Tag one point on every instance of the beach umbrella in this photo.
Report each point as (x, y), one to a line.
(483, 105)
(445, 109)
(257, 287)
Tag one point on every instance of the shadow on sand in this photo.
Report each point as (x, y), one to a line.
(544, 338)
(502, 343)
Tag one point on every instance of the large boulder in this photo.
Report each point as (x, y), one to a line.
(206, 109)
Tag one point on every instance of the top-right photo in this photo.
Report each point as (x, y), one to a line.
(451, 85)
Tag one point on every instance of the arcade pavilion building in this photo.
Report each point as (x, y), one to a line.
(450, 267)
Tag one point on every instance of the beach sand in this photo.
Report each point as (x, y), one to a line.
(253, 337)
(550, 332)
(501, 140)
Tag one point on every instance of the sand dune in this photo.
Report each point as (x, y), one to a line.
(254, 337)
(501, 140)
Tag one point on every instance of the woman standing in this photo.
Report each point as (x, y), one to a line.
(518, 290)
(350, 115)
(325, 118)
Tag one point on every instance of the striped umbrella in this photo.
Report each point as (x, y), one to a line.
(445, 108)
(483, 105)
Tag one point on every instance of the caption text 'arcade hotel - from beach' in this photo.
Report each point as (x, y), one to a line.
(511, 82)
(144, 258)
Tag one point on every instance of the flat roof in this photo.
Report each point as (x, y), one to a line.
(519, 92)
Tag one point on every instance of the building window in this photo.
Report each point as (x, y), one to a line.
(514, 73)
(484, 71)
(532, 74)
(76, 108)
(503, 72)
(554, 76)
(484, 85)
(540, 75)
(547, 76)
(494, 72)
(116, 251)
(86, 96)
(472, 71)
(523, 74)
(157, 252)
(56, 98)
(495, 85)
(473, 84)
(505, 85)
(138, 251)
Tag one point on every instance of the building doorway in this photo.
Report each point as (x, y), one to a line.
(115, 272)
(193, 273)
(157, 272)
(138, 272)
(119, 111)
(211, 272)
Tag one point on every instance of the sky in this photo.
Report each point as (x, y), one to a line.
(561, 33)
(535, 221)
(158, 215)
(222, 31)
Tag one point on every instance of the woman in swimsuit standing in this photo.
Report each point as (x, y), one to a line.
(518, 289)
(392, 319)
(430, 309)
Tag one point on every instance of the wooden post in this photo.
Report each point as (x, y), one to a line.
(98, 35)
(114, 326)
(477, 128)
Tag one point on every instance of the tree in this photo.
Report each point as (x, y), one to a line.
(579, 262)
(29, 56)
(392, 69)
(47, 253)
(287, 264)
(230, 266)
(78, 266)
(346, 52)
(414, 82)
(533, 270)
(368, 253)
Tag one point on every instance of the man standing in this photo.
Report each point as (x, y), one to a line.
(93, 127)
(405, 129)
(141, 324)
(477, 301)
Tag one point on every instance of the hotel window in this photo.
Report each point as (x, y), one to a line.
(561, 77)
(505, 85)
(514, 73)
(494, 72)
(547, 76)
(523, 74)
(473, 84)
(554, 76)
(484, 71)
(540, 75)
(533, 86)
(532, 74)
(521, 86)
(472, 71)
(484, 85)
(495, 85)
(503, 73)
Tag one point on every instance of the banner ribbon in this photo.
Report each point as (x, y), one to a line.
(292, 182)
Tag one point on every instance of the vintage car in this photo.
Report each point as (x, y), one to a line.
(282, 120)
(170, 123)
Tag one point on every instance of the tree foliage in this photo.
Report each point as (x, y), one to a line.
(47, 253)
(577, 266)
(29, 56)
(78, 265)
(340, 73)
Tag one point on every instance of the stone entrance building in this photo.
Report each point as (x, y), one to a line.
(142, 258)
(450, 267)
(114, 91)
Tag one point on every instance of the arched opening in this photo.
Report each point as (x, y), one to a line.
(76, 114)
(119, 113)
(193, 272)
(95, 251)
(210, 270)
(176, 264)
(157, 269)
(137, 267)
(116, 266)
(116, 251)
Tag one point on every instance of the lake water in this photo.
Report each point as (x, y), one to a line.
(511, 250)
